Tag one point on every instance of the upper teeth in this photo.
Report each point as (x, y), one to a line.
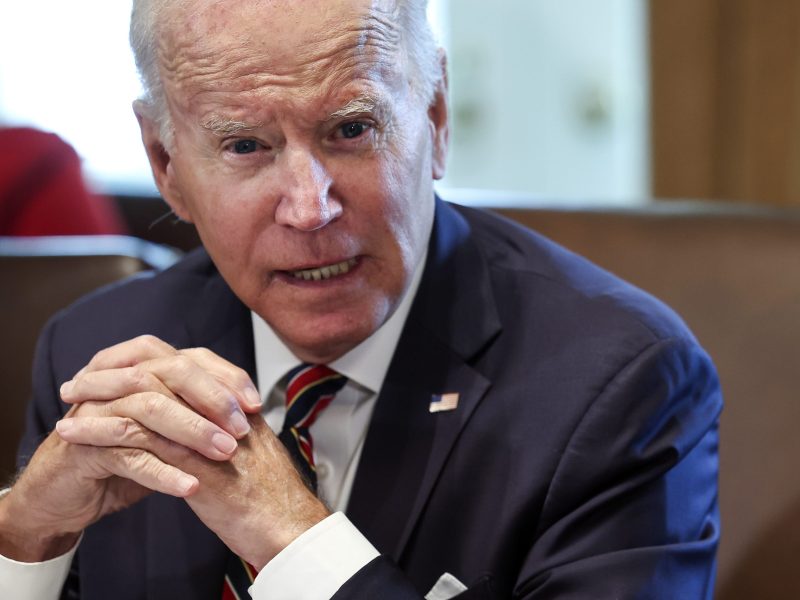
(325, 272)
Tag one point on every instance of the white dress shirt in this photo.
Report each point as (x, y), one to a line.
(332, 551)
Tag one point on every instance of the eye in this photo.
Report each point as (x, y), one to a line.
(244, 146)
(353, 130)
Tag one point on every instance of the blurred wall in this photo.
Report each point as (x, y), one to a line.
(725, 99)
(550, 97)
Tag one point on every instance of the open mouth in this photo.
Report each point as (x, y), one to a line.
(326, 272)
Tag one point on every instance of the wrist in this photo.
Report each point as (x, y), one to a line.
(22, 541)
(282, 536)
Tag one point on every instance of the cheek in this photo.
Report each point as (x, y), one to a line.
(408, 182)
(227, 215)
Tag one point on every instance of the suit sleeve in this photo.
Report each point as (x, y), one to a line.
(631, 511)
(44, 409)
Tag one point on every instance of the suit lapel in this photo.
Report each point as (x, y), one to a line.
(452, 319)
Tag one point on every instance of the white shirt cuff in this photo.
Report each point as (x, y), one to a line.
(34, 581)
(328, 555)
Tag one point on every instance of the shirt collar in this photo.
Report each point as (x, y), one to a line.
(365, 364)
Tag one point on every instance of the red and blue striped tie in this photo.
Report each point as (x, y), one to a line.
(309, 390)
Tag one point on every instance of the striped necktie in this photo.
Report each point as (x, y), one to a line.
(309, 390)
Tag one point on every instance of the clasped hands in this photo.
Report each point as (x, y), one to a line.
(147, 417)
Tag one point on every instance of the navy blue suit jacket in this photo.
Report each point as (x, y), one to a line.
(581, 461)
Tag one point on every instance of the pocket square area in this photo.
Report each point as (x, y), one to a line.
(447, 587)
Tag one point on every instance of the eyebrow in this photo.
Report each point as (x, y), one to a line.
(357, 106)
(222, 126)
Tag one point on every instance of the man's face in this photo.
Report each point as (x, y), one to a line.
(304, 159)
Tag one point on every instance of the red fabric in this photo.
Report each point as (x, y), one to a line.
(228, 591)
(42, 191)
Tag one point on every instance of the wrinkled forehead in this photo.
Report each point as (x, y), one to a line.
(207, 42)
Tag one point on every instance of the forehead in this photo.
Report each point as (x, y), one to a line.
(263, 47)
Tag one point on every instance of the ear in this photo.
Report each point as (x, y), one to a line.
(439, 116)
(160, 161)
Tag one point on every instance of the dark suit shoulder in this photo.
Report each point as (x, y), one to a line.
(193, 267)
(145, 294)
(149, 303)
(573, 290)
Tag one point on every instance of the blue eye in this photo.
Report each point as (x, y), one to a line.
(245, 146)
(353, 130)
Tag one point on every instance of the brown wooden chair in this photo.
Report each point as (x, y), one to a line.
(733, 273)
(39, 276)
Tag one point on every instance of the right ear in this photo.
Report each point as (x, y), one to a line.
(160, 160)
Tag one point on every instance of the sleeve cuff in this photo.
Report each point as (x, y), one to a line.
(35, 581)
(328, 555)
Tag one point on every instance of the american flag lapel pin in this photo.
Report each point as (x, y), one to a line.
(443, 402)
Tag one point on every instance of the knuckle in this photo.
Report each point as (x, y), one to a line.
(196, 351)
(240, 377)
(138, 377)
(149, 346)
(199, 429)
(121, 428)
(98, 358)
(158, 469)
(151, 405)
(223, 401)
(129, 431)
(182, 365)
(163, 475)
(147, 342)
(129, 459)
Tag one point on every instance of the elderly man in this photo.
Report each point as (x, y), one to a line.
(496, 417)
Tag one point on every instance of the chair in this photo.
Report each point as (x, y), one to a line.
(39, 276)
(733, 273)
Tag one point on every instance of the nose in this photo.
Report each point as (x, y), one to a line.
(305, 202)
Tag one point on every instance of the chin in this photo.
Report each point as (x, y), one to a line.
(324, 340)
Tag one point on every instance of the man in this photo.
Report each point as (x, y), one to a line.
(516, 422)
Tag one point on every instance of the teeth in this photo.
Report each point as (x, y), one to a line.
(325, 272)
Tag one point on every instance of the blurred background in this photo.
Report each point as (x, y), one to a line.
(590, 101)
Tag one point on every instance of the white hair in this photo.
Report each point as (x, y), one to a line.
(149, 16)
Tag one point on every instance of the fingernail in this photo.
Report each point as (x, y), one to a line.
(64, 425)
(67, 387)
(223, 442)
(239, 423)
(252, 397)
